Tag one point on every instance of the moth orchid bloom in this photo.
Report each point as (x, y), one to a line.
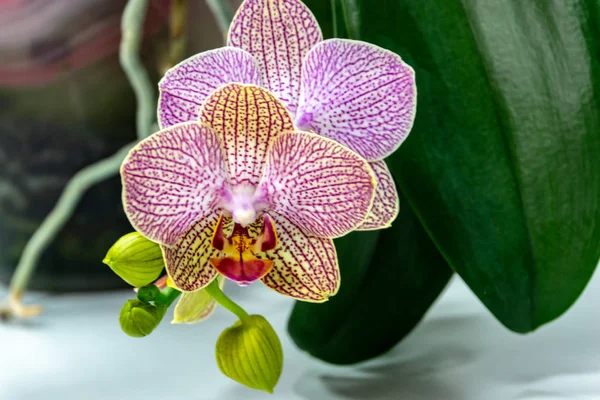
(241, 194)
(353, 92)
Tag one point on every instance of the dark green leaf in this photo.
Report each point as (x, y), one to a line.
(502, 165)
(389, 278)
(384, 293)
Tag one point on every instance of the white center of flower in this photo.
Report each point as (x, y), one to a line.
(243, 204)
(244, 215)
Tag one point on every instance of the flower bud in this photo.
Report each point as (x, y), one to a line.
(138, 319)
(250, 353)
(137, 260)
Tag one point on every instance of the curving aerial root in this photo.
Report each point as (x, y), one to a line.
(14, 308)
(131, 28)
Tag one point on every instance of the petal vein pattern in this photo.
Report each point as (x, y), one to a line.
(171, 179)
(187, 261)
(279, 34)
(185, 87)
(246, 119)
(359, 95)
(323, 187)
(305, 266)
(386, 204)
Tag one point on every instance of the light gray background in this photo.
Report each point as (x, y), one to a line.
(459, 352)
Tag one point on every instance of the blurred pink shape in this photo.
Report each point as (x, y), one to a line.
(41, 40)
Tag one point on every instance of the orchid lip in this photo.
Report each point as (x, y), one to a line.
(240, 263)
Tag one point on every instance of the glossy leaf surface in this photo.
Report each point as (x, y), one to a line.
(502, 164)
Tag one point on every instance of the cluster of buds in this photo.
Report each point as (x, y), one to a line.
(249, 343)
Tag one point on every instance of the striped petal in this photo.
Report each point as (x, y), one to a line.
(171, 179)
(187, 262)
(386, 204)
(184, 87)
(195, 307)
(305, 267)
(279, 34)
(359, 95)
(246, 119)
(321, 186)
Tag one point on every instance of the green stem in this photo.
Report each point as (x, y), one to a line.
(350, 10)
(215, 291)
(334, 18)
(167, 296)
(61, 213)
(177, 27)
(223, 13)
(132, 29)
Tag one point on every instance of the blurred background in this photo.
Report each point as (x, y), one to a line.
(65, 103)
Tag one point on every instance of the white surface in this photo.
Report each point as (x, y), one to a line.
(459, 352)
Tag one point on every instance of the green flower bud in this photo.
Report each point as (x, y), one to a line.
(137, 260)
(250, 353)
(138, 319)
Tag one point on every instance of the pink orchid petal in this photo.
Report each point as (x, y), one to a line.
(279, 34)
(359, 95)
(246, 119)
(171, 179)
(184, 87)
(187, 261)
(386, 204)
(318, 184)
(305, 267)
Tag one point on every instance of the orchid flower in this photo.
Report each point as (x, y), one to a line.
(241, 194)
(353, 92)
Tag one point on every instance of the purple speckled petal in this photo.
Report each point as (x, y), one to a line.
(247, 119)
(184, 87)
(171, 179)
(187, 262)
(386, 204)
(318, 184)
(305, 267)
(357, 94)
(279, 34)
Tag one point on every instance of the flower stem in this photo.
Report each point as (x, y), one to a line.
(215, 291)
(334, 18)
(168, 296)
(223, 13)
(177, 27)
(350, 11)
